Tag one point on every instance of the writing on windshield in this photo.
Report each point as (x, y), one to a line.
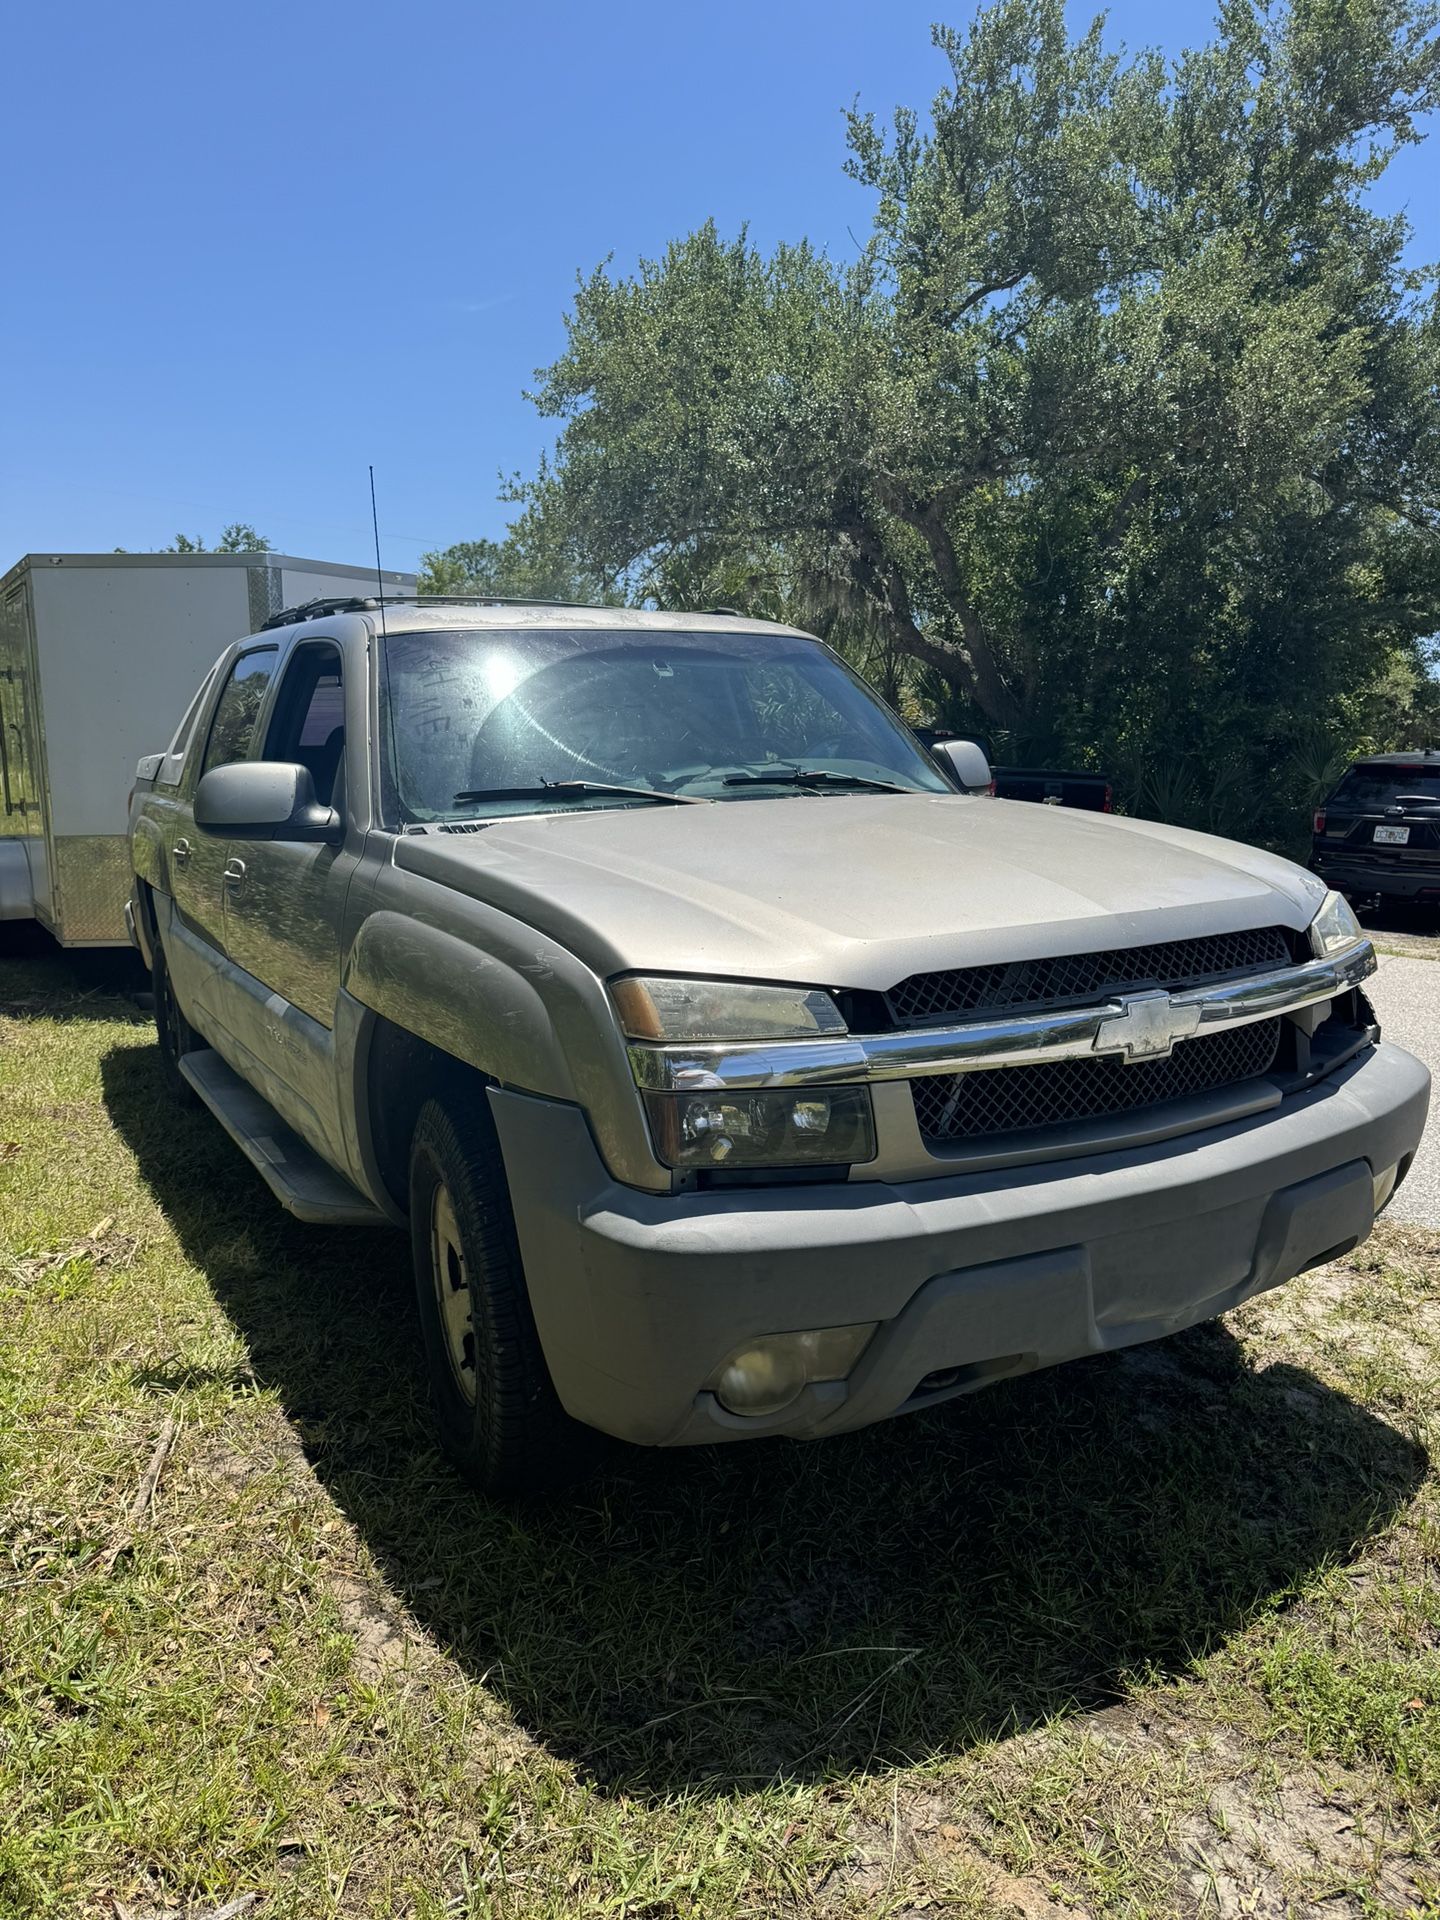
(499, 714)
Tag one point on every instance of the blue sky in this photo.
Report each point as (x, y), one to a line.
(248, 253)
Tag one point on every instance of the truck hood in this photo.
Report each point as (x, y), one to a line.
(857, 890)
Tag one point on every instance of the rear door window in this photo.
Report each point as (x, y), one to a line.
(1374, 788)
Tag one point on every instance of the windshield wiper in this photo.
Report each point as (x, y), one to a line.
(561, 788)
(813, 777)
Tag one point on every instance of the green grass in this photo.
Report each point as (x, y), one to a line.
(1155, 1634)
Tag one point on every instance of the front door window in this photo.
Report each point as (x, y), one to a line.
(233, 727)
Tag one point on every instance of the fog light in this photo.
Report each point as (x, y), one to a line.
(768, 1374)
(1385, 1186)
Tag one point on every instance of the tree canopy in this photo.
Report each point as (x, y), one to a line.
(529, 565)
(238, 537)
(1121, 435)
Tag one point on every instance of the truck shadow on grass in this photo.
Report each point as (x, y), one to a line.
(706, 1620)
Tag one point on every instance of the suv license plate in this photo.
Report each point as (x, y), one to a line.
(1391, 836)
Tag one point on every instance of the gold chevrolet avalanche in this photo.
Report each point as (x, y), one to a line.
(736, 1066)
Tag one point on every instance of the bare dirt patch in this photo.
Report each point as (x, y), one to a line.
(1300, 1848)
(382, 1642)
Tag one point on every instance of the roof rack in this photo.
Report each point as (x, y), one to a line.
(317, 610)
(352, 603)
(484, 600)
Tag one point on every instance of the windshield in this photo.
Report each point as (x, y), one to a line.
(479, 723)
(1388, 784)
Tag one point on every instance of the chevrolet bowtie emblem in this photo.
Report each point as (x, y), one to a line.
(1146, 1027)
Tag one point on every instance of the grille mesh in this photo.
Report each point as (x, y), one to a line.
(965, 1106)
(1021, 984)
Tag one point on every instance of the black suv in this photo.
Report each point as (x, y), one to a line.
(1378, 834)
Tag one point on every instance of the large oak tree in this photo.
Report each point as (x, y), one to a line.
(1123, 428)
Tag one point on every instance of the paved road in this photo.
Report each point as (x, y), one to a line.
(1406, 993)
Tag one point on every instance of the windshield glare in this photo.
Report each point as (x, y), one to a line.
(473, 711)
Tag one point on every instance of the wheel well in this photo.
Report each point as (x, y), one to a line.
(402, 1073)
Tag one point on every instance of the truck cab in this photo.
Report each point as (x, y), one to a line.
(736, 1066)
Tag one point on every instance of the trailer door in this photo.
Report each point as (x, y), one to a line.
(17, 789)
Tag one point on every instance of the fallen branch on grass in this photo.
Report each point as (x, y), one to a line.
(105, 1557)
(144, 1493)
(150, 1479)
(230, 1911)
(99, 1246)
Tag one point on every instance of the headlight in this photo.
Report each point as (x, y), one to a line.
(802, 1127)
(696, 1121)
(694, 1010)
(1334, 927)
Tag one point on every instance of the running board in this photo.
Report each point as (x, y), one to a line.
(297, 1176)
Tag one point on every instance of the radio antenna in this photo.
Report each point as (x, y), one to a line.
(379, 576)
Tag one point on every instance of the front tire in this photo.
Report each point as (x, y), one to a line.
(174, 1033)
(499, 1418)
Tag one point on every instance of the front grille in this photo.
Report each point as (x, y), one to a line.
(1022, 984)
(967, 1106)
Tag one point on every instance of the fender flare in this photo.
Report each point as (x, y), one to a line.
(521, 1010)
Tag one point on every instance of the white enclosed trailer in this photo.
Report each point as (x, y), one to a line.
(100, 654)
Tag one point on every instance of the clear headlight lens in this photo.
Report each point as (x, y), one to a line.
(654, 1008)
(802, 1127)
(695, 1125)
(1334, 927)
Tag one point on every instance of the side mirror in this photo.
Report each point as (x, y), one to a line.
(966, 761)
(264, 800)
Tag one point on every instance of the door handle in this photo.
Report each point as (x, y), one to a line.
(180, 853)
(234, 873)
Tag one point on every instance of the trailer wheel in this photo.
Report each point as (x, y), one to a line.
(173, 1031)
(499, 1418)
